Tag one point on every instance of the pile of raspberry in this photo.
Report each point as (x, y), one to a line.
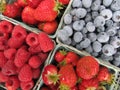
(22, 54)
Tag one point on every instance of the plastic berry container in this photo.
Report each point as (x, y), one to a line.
(114, 70)
(34, 28)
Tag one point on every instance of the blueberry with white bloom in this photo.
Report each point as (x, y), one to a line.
(78, 25)
(118, 32)
(116, 16)
(67, 19)
(95, 54)
(75, 18)
(81, 12)
(115, 41)
(111, 31)
(90, 27)
(107, 2)
(73, 42)
(102, 7)
(116, 63)
(101, 29)
(117, 56)
(68, 42)
(116, 24)
(115, 6)
(94, 14)
(85, 43)
(97, 46)
(107, 58)
(99, 21)
(109, 23)
(102, 37)
(88, 10)
(88, 18)
(73, 11)
(78, 47)
(89, 49)
(76, 3)
(84, 30)
(92, 37)
(106, 13)
(77, 37)
(108, 50)
(68, 29)
(96, 5)
(87, 3)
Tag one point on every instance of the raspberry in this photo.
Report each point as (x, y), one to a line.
(6, 27)
(4, 35)
(10, 53)
(27, 85)
(25, 73)
(35, 62)
(19, 32)
(43, 56)
(46, 43)
(32, 39)
(36, 73)
(9, 68)
(3, 78)
(15, 43)
(35, 49)
(3, 60)
(13, 83)
(3, 44)
(21, 57)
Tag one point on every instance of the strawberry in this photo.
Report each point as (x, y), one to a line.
(48, 27)
(91, 84)
(87, 67)
(33, 3)
(50, 75)
(101, 88)
(68, 77)
(47, 10)
(22, 3)
(64, 2)
(60, 55)
(45, 88)
(27, 15)
(74, 88)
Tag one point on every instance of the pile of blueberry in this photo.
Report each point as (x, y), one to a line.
(94, 26)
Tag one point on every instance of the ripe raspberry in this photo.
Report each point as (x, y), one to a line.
(3, 44)
(9, 68)
(27, 85)
(13, 83)
(35, 49)
(4, 35)
(19, 32)
(10, 53)
(32, 39)
(36, 73)
(3, 60)
(21, 57)
(35, 62)
(43, 56)
(3, 78)
(6, 27)
(46, 43)
(15, 43)
(25, 73)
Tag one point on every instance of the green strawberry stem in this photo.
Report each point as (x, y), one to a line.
(2, 5)
(64, 87)
(63, 52)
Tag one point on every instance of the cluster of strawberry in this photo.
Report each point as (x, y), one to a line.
(73, 72)
(42, 13)
(21, 55)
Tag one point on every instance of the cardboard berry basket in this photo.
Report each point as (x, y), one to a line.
(41, 67)
(34, 28)
(114, 70)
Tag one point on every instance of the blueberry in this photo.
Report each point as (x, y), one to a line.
(73, 42)
(90, 27)
(115, 6)
(115, 41)
(116, 16)
(89, 49)
(107, 2)
(94, 14)
(77, 37)
(106, 13)
(73, 11)
(116, 63)
(81, 12)
(85, 43)
(106, 58)
(109, 23)
(67, 19)
(78, 47)
(68, 42)
(88, 18)
(100, 29)
(102, 7)
(102, 37)
(75, 18)
(68, 29)
(87, 3)
(117, 56)
(99, 21)
(96, 5)
(118, 32)
(92, 37)
(78, 25)
(97, 46)
(95, 54)
(108, 50)
(112, 31)
(84, 30)
(76, 3)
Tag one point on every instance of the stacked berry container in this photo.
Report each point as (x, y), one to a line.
(113, 69)
(23, 14)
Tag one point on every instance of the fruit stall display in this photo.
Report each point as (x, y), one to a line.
(71, 69)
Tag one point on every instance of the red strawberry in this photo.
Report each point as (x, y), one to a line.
(74, 88)
(47, 10)
(101, 88)
(91, 84)
(87, 67)
(60, 55)
(54, 87)
(64, 2)
(48, 27)
(68, 77)
(46, 43)
(50, 75)
(22, 3)
(33, 3)
(27, 15)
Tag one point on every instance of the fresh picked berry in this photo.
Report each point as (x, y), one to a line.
(33, 3)
(64, 2)
(3, 78)
(36, 73)
(87, 67)
(34, 49)
(22, 3)
(3, 59)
